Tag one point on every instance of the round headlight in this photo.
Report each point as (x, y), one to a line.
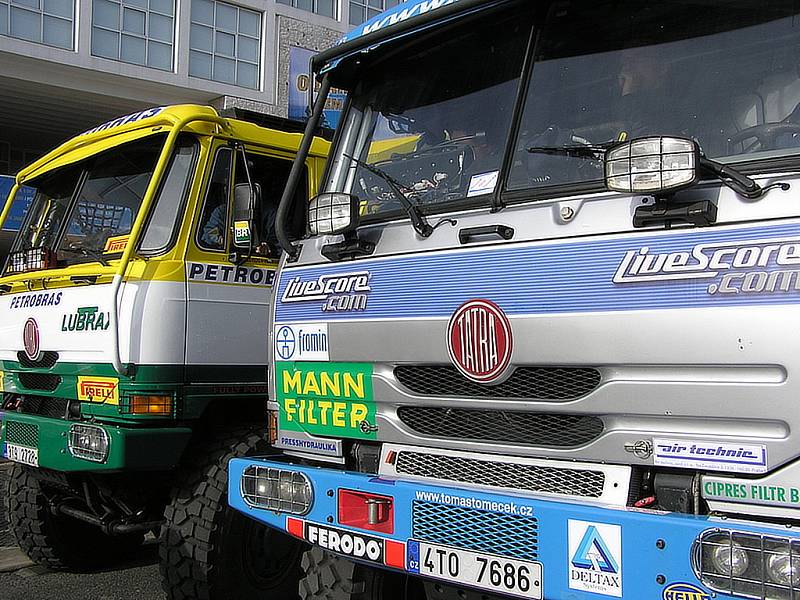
(730, 560)
(783, 570)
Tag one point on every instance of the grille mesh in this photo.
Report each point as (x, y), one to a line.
(477, 530)
(39, 381)
(533, 478)
(23, 434)
(47, 361)
(534, 383)
(524, 428)
(44, 406)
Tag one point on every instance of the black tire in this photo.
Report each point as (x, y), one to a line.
(332, 577)
(210, 551)
(59, 542)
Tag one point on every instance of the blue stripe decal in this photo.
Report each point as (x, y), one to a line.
(731, 266)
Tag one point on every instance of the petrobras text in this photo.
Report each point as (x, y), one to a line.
(338, 293)
(700, 454)
(747, 267)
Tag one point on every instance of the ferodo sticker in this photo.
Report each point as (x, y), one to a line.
(328, 399)
(98, 389)
(116, 244)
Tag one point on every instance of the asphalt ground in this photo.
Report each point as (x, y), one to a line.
(137, 579)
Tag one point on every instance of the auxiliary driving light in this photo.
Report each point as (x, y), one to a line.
(748, 565)
(277, 489)
(332, 212)
(88, 442)
(652, 165)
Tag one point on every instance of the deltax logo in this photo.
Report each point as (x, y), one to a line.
(595, 557)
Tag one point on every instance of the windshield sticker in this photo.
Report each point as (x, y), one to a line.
(302, 342)
(337, 293)
(36, 300)
(116, 244)
(483, 183)
(229, 274)
(595, 558)
(86, 318)
(98, 389)
(696, 454)
(133, 118)
(328, 399)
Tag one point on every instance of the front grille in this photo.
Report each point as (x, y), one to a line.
(531, 383)
(533, 478)
(39, 381)
(478, 530)
(43, 406)
(22, 434)
(46, 361)
(523, 428)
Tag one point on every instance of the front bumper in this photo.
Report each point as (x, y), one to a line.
(145, 448)
(654, 560)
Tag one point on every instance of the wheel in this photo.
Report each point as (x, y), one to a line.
(210, 551)
(332, 577)
(55, 541)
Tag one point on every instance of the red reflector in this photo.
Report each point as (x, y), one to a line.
(391, 457)
(295, 528)
(395, 554)
(366, 511)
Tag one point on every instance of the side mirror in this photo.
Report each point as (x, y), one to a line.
(246, 198)
(332, 212)
(652, 165)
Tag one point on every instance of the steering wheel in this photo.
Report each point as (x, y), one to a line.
(765, 135)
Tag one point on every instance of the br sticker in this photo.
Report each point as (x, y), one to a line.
(329, 399)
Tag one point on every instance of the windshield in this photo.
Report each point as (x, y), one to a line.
(85, 211)
(440, 131)
(437, 115)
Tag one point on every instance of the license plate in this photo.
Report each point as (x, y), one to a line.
(21, 454)
(517, 578)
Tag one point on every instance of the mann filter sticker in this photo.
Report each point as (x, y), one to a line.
(327, 399)
(302, 341)
(595, 558)
(716, 456)
(116, 244)
(98, 389)
(241, 231)
(483, 183)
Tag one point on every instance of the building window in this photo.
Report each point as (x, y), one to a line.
(225, 43)
(326, 8)
(363, 10)
(47, 22)
(140, 32)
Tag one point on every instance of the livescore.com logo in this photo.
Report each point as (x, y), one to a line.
(595, 558)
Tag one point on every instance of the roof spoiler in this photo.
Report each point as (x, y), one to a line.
(409, 25)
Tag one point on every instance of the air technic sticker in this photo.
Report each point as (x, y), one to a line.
(98, 389)
(329, 399)
(595, 558)
(699, 454)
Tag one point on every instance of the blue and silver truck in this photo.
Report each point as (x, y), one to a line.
(537, 336)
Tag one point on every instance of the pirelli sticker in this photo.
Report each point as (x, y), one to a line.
(104, 390)
(116, 244)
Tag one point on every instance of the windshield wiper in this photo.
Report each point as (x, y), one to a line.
(89, 254)
(590, 151)
(418, 221)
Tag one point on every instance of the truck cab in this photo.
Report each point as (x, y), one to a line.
(135, 300)
(546, 343)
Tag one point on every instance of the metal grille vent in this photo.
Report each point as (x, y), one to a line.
(22, 434)
(39, 381)
(524, 428)
(477, 530)
(43, 406)
(47, 361)
(532, 383)
(533, 478)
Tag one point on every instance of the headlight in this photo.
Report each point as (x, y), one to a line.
(730, 560)
(88, 442)
(784, 569)
(280, 490)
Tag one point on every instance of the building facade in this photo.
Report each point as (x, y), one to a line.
(66, 65)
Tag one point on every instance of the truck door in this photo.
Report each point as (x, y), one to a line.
(229, 294)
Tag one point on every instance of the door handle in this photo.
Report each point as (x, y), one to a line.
(469, 234)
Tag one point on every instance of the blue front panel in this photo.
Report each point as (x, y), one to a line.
(628, 553)
(731, 266)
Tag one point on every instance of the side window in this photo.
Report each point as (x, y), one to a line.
(213, 229)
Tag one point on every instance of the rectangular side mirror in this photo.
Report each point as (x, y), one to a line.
(652, 165)
(332, 212)
(246, 199)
